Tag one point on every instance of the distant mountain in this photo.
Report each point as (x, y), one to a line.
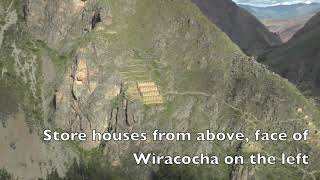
(242, 27)
(299, 59)
(281, 12)
(286, 28)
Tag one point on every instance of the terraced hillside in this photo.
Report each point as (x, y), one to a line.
(137, 77)
(135, 66)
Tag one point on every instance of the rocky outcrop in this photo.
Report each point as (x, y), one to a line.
(60, 23)
(243, 173)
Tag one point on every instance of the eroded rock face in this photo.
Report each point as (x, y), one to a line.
(60, 23)
(243, 173)
(202, 88)
(88, 96)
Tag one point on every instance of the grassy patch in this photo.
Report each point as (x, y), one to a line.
(92, 165)
(4, 175)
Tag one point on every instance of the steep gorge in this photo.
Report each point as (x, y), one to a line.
(243, 28)
(298, 59)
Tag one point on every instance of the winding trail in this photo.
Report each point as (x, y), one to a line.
(194, 93)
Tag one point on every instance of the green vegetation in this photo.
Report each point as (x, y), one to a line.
(190, 172)
(22, 75)
(21, 82)
(91, 165)
(4, 175)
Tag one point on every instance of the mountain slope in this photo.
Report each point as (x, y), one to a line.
(243, 28)
(281, 12)
(199, 79)
(284, 20)
(298, 60)
(286, 28)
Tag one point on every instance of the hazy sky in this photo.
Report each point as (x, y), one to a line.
(273, 2)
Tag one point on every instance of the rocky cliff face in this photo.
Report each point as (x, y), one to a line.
(136, 66)
(242, 27)
(60, 23)
(298, 60)
(28, 78)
